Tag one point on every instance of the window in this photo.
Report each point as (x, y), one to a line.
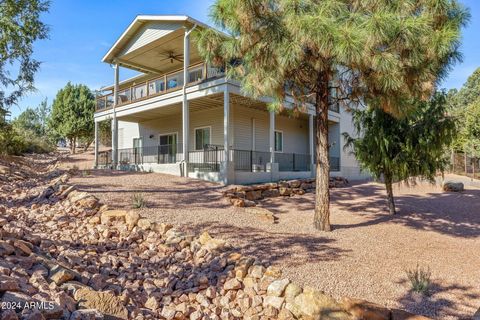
(202, 137)
(278, 141)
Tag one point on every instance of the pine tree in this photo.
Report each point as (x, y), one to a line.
(380, 52)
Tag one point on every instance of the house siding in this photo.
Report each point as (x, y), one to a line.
(295, 131)
(149, 33)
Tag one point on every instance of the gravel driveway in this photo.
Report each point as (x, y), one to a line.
(365, 256)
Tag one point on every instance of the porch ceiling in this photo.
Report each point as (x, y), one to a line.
(151, 42)
(160, 56)
(204, 103)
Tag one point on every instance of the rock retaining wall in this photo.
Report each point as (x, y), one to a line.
(77, 259)
(248, 196)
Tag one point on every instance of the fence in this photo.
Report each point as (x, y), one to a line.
(248, 160)
(169, 153)
(105, 158)
(463, 164)
(292, 161)
(206, 160)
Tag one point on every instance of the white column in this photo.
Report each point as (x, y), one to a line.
(272, 137)
(96, 144)
(116, 82)
(185, 111)
(226, 124)
(310, 139)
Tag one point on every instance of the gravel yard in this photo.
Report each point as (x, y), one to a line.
(367, 254)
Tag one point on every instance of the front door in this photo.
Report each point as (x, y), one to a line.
(168, 148)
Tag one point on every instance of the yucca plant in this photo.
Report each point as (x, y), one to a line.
(420, 279)
(322, 52)
(138, 201)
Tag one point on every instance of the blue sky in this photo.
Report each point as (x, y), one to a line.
(81, 32)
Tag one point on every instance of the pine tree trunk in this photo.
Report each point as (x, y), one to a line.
(390, 199)
(322, 196)
(74, 145)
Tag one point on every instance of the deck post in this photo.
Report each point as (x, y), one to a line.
(226, 124)
(116, 82)
(310, 142)
(96, 145)
(185, 110)
(272, 136)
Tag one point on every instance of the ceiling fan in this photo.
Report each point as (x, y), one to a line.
(170, 55)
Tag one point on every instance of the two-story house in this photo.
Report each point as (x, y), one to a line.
(182, 116)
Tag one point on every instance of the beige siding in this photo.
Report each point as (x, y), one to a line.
(295, 131)
(212, 118)
(126, 132)
(149, 33)
(163, 125)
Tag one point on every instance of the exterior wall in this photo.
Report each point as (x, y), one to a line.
(349, 166)
(252, 124)
(126, 132)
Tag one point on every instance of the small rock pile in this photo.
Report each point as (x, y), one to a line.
(64, 255)
(248, 196)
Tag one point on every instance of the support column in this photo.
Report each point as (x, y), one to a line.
(96, 145)
(116, 82)
(310, 140)
(272, 136)
(185, 109)
(226, 124)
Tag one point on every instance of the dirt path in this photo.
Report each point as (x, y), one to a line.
(365, 256)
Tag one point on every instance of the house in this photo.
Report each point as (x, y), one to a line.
(203, 127)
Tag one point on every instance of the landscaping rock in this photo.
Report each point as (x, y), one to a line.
(108, 304)
(453, 186)
(262, 214)
(366, 310)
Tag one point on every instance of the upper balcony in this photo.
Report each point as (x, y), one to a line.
(159, 85)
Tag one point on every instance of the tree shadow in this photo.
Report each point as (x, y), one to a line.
(177, 193)
(276, 247)
(454, 214)
(441, 300)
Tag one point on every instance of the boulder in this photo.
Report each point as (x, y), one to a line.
(270, 193)
(284, 191)
(313, 304)
(110, 216)
(362, 309)
(131, 219)
(277, 287)
(108, 304)
(453, 186)
(62, 275)
(262, 214)
(291, 291)
(253, 195)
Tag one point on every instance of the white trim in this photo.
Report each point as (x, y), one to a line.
(275, 141)
(195, 136)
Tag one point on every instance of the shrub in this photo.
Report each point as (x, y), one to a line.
(419, 279)
(138, 201)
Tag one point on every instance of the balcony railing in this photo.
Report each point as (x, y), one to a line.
(163, 84)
